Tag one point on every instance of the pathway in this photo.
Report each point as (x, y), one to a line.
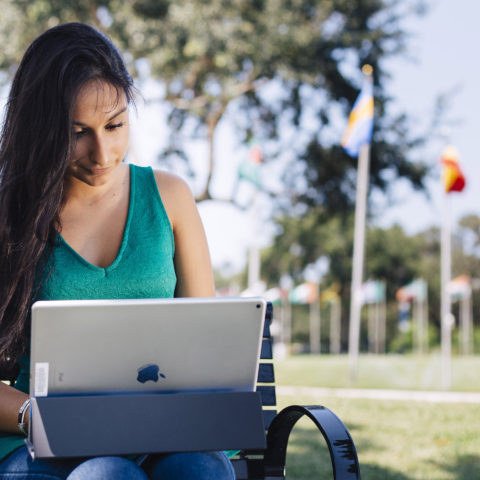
(407, 395)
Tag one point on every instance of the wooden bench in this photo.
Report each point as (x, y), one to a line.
(270, 464)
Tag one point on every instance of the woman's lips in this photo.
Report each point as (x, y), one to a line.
(99, 171)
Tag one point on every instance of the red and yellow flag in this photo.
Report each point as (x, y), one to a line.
(453, 178)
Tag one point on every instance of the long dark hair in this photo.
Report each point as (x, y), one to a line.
(35, 148)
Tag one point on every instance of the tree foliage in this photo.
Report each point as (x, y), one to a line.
(391, 255)
(280, 70)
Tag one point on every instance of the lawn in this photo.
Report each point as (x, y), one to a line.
(378, 371)
(396, 440)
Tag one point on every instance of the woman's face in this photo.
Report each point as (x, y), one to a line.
(101, 130)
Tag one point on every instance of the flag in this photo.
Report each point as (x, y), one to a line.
(305, 293)
(460, 287)
(330, 295)
(274, 295)
(415, 290)
(249, 169)
(372, 291)
(404, 316)
(360, 121)
(453, 178)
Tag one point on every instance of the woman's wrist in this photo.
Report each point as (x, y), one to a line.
(22, 417)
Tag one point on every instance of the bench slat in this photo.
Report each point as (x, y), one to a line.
(253, 469)
(269, 312)
(266, 373)
(268, 416)
(266, 329)
(266, 351)
(241, 469)
(268, 395)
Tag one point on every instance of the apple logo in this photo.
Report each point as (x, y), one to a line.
(149, 372)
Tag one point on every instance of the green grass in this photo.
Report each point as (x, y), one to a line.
(378, 371)
(395, 440)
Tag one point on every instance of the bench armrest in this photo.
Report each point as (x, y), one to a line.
(340, 444)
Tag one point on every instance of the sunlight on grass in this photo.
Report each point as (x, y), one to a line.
(395, 440)
(382, 371)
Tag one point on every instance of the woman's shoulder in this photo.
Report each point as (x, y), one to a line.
(175, 193)
(170, 182)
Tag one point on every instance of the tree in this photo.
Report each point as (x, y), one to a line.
(470, 235)
(227, 59)
(301, 240)
(275, 68)
(391, 255)
(22, 20)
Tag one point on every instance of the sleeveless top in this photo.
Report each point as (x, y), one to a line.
(143, 267)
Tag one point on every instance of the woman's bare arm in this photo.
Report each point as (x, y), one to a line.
(192, 258)
(10, 402)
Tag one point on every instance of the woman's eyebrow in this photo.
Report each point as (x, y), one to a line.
(116, 114)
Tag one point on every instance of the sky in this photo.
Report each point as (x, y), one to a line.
(441, 58)
(443, 46)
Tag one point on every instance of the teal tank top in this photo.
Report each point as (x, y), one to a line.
(143, 267)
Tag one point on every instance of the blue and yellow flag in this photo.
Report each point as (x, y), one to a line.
(360, 121)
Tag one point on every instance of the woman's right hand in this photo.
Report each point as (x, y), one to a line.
(11, 400)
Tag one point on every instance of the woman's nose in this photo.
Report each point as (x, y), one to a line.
(100, 151)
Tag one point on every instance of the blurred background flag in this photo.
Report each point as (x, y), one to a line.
(330, 295)
(360, 121)
(460, 287)
(413, 301)
(372, 291)
(415, 290)
(249, 169)
(304, 293)
(460, 290)
(274, 295)
(453, 178)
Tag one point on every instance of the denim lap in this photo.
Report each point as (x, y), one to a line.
(108, 468)
(180, 466)
(190, 466)
(19, 466)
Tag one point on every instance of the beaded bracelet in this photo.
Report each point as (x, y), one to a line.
(22, 425)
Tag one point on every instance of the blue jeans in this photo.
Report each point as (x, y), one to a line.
(179, 466)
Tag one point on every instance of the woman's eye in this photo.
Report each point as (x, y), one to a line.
(115, 126)
(79, 133)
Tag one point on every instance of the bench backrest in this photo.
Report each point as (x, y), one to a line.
(249, 464)
(266, 374)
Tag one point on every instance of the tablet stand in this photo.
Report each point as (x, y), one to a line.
(93, 425)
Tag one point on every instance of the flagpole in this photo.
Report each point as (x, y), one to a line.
(358, 256)
(335, 319)
(249, 170)
(454, 182)
(315, 324)
(254, 251)
(445, 314)
(356, 142)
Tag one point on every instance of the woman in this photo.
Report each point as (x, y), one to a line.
(78, 223)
